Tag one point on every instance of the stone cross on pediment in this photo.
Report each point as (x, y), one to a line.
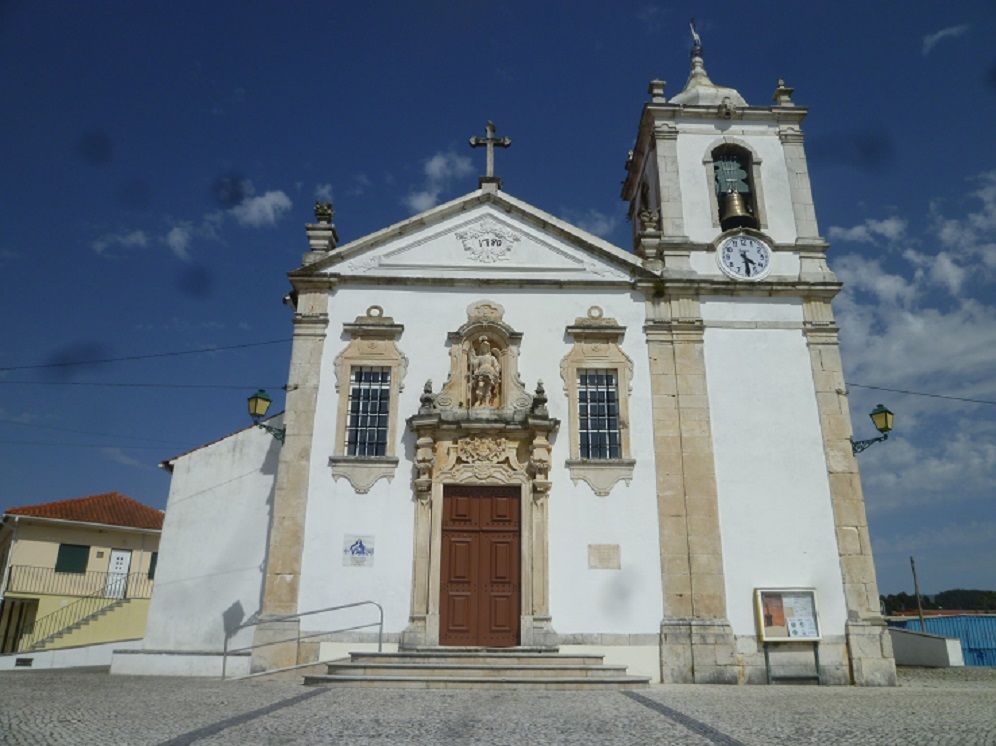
(490, 141)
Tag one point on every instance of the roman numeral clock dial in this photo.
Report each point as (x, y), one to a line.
(744, 257)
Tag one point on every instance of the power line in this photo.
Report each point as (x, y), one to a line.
(119, 384)
(922, 393)
(79, 445)
(176, 353)
(90, 432)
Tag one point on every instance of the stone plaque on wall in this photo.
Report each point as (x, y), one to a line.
(604, 557)
(357, 551)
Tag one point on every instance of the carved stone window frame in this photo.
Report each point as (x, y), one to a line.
(373, 343)
(596, 347)
(757, 185)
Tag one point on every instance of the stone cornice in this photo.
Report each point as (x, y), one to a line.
(688, 285)
(678, 112)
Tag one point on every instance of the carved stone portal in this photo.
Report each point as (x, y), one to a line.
(482, 428)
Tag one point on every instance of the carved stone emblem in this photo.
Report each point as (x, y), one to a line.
(488, 241)
(481, 450)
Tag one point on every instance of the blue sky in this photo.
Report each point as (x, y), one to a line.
(160, 160)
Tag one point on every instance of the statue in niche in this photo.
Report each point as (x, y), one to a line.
(485, 375)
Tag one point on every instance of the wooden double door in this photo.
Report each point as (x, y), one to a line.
(480, 582)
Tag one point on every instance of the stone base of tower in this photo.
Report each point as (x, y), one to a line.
(870, 648)
(275, 644)
(698, 651)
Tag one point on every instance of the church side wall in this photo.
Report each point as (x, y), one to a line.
(775, 513)
(212, 552)
(582, 600)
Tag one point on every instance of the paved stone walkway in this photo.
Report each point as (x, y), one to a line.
(77, 707)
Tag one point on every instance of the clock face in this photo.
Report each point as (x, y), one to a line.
(744, 257)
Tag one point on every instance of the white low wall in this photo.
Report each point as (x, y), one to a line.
(922, 649)
(78, 657)
(640, 660)
(175, 663)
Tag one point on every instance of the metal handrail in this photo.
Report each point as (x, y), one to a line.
(297, 653)
(46, 581)
(115, 587)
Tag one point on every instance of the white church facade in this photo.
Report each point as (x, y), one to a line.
(509, 432)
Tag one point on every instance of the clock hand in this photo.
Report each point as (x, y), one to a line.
(748, 263)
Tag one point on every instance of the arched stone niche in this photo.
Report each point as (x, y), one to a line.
(484, 380)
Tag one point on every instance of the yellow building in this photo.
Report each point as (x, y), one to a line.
(76, 572)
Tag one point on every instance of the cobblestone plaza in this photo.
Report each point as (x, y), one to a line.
(956, 706)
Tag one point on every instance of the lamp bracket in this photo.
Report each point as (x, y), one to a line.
(277, 432)
(857, 446)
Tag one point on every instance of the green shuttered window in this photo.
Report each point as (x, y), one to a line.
(72, 558)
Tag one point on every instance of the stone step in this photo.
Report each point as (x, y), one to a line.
(479, 682)
(476, 670)
(551, 649)
(477, 656)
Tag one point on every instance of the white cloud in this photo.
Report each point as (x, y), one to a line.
(951, 32)
(442, 167)
(971, 236)
(178, 239)
(118, 456)
(129, 240)
(261, 211)
(422, 200)
(891, 229)
(361, 182)
(859, 273)
(440, 171)
(596, 222)
(323, 192)
(899, 332)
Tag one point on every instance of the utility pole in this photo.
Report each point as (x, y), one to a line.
(916, 590)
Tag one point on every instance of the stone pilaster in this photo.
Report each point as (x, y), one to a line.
(697, 643)
(666, 143)
(868, 642)
(799, 186)
(286, 538)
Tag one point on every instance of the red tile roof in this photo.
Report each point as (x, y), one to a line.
(111, 508)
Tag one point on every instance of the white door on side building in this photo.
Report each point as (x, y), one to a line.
(117, 573)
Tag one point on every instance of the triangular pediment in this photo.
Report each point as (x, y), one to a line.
(482, 236)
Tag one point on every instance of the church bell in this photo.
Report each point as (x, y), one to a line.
(734, 213)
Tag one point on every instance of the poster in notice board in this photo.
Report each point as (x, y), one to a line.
(786, 614)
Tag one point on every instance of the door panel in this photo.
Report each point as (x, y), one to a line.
(480, 583)
(117, 573)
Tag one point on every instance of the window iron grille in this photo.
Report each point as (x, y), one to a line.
(368, 408)
(598, 414)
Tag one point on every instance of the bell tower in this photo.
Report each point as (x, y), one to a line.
(722, 213)
(706, 162)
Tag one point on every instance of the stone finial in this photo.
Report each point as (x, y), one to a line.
(538, 407)
(783, 94)
(649, 220)
(322, 235)
(323, 212)
(428, 400)
(656, 91)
